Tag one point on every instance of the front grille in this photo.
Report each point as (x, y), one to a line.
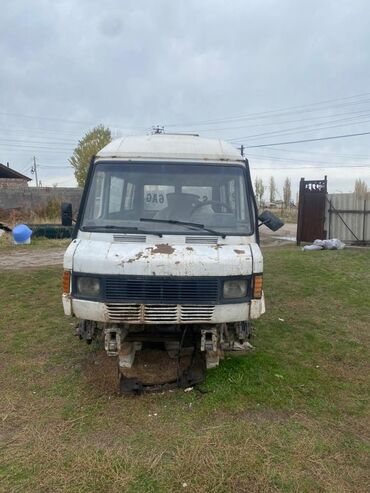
(158, 314)
(162, 290)
(128, 313)
(196, 313)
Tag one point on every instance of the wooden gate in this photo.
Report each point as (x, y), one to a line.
(311, 210)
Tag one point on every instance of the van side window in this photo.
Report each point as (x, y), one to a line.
(231, 194)
(129, 196)
(115, 194)
(95, 205)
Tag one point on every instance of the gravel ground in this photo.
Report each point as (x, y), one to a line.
(31, 258)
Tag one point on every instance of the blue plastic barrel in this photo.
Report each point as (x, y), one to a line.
(21, 233)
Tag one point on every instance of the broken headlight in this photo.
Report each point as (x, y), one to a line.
(88, 286)
(235, 289)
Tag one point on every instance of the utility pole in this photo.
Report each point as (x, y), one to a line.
(242, 150)
(34, 170)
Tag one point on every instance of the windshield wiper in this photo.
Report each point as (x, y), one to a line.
(184, 223)
(120, 229)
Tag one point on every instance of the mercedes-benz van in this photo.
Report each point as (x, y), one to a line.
(165, 265)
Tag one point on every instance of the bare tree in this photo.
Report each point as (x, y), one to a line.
(287, 192)
(260, 189)
(361, 187)
(273, 189)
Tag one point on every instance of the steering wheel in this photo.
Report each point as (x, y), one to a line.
(211, 202)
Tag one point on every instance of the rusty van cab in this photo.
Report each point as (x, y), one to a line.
(165, 265)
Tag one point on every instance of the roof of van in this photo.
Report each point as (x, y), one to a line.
(172, 147)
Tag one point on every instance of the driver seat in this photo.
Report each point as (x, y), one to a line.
(179, 206)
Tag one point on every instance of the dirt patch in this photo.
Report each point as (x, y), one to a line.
(151, 367)
(155, 367)
(163, 248)
(31, 258)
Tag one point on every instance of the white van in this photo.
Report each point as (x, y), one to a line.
(165, 265)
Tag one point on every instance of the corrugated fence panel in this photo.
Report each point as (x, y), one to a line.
(347, 217)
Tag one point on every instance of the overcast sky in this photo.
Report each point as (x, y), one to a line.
(289, 70)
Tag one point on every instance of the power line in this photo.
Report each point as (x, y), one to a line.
(313, 167)
(37, 146)
(345, 101)
(45, 141)
(26, 169)
(313, 162)
(320, 153)
(305, 128)
(297, 160)
(283, 122)
(307, 140)
(21, 129)
(64, 166)
(282, 111)
(64, 120)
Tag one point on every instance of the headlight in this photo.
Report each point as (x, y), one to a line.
(235, 289)
(88, 286)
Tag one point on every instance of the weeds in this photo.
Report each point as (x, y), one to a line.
(47, 213)
(291, 416)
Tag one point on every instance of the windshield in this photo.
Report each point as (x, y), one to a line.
(168, 198)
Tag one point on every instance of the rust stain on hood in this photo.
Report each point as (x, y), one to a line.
(163, 248)
(136, 257)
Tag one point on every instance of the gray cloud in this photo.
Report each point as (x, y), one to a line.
(134, 64)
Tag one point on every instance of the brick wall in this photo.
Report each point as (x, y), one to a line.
(32, 197)
(13, 183)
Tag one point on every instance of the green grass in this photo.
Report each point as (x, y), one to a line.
(7, 245)
(291, 416)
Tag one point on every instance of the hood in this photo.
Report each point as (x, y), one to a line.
(162, 259)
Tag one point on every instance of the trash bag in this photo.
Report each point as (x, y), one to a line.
(312, 247)
(332, 244)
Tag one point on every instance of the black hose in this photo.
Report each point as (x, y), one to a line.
(5, 227)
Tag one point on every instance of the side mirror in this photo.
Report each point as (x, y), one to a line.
(66, 214)
(270, 220)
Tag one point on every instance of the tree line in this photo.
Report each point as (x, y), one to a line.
(260, 189)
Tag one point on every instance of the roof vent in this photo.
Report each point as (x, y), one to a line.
(129, 238)
(201, 240)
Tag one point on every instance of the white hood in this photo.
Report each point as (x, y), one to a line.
(162, 258)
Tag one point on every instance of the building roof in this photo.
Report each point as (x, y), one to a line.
(172, 147)
(6, 172)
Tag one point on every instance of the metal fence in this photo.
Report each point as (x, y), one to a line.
(347, 217)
